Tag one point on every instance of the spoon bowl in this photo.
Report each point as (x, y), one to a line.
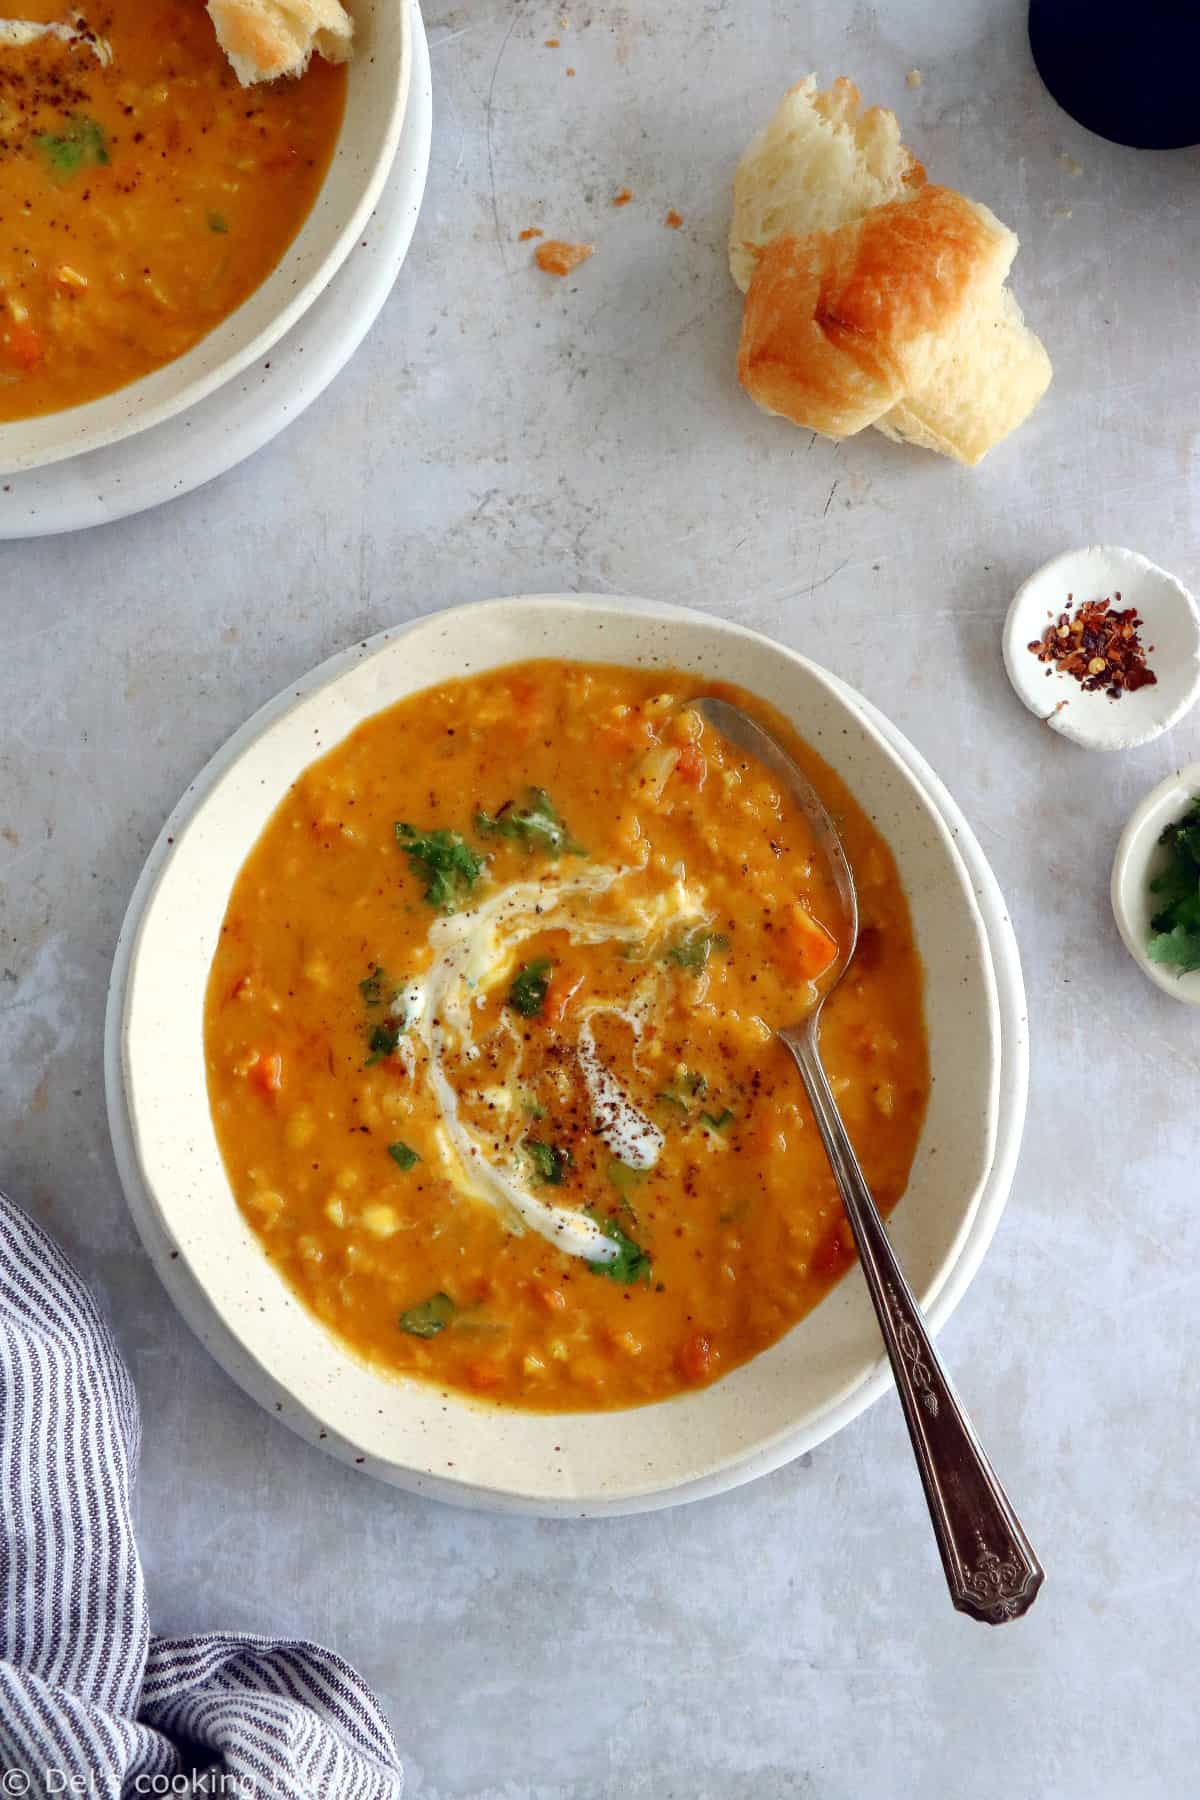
(990, 1566)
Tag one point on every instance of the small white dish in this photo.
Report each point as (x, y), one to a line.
(156, 465)
(378, 77)
(790, 1397)
(1170, 632)
(1139, 858)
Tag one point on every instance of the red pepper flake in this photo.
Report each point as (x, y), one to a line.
(1100, 645)
(623, 198)
(530, 231)
(558, 258)
(673, 219)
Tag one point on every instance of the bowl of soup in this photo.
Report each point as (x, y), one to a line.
(446, 1065)
(162, 225)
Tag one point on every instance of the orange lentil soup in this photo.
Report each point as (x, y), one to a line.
(143, 194)
(490, 1038)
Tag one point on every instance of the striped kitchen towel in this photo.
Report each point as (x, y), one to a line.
(90, 1703)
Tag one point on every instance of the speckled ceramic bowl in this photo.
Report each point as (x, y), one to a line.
(376, 98)
(790, 1397)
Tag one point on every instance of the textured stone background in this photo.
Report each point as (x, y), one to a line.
(501, 432)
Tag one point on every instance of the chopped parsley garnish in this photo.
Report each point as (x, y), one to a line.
(429, 1317)
(218, 222)
(534, 823)
(83, 145)
(550, 1163)
(630, 1265)
(717, 1121)
(1175, 927)
(527, 995)
(687, 1088)
(382, 1042)
(403, 1155)
(448, 867)
(694, 950)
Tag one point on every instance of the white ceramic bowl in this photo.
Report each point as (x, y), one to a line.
(376, 97)
(1171, 629)
(794, 1394)
(1139, 857)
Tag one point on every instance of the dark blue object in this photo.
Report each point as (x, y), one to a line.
(1130, 73)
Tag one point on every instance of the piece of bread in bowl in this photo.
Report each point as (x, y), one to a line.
(265, 39)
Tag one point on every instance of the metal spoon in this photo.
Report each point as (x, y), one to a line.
(990, 1566)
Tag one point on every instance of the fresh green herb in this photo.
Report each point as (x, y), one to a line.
(449, 867)
(82, 145)
(626, 1181)
(534, 1109)
(550, 1163)
(630, 1265)
(535, 823)
(381, 1043)
(429, 1317)
(717, 1121)
(687, 1088)
(527, 995)
(404, 1156)
(1176, 925)
(218, 222)
(694, 950)
(374, 987)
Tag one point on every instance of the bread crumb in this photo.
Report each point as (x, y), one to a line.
(553, 43)
(913, 78)
(673, 219)
(557, 258)
(1070, 165)
(623, 198)
(530, 231)
(1062, 212)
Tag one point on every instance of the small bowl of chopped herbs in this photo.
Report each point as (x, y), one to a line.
(1156, 885)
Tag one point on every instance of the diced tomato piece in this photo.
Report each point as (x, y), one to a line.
(266, 1072)
(692, 766)
(22, 345)
(803, 947)
(695, 1357)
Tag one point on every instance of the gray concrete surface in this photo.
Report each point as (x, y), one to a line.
(501, 432)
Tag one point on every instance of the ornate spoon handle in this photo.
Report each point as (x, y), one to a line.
(990, 1566)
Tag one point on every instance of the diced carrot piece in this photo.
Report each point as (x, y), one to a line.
(483, 1376)
(692, 766)
(266, 1073)
(22, 345)
(803, 947)
(695, 1357)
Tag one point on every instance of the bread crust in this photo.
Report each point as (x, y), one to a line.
(830, 319)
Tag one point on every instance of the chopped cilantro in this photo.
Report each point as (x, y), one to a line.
(1175, 927)
(527, 995)
(550, 1163)
(630, 1265)
(381, 1043)
(449, 867)
(687, 1088)
(534, 1109)
(82, 145)
(218, 222)
(534, 823)
(717, 1121)
(429, 1317)
(403, 1155)
(694, 950)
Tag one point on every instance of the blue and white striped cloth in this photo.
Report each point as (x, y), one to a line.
(90, 1703)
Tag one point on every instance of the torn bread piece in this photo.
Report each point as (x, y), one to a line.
(904, 324)
(266, 39)
(818, 163)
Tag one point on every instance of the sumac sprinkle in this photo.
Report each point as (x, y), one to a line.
(1100, 645)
